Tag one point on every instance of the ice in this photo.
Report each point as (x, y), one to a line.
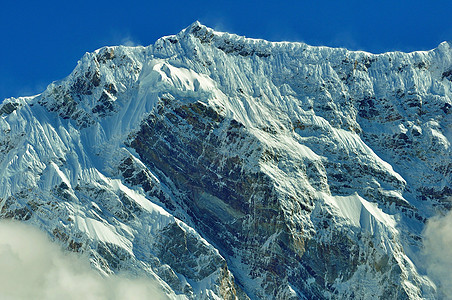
(101, 232)
(360, 212)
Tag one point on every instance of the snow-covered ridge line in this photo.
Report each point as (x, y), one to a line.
(209, 35)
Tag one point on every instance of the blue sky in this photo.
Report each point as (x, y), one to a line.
(41, 41)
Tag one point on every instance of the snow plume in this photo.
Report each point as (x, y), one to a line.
(31, 267)
(438, 252)
(129, 41)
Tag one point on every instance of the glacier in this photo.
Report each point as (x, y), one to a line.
(225, 167)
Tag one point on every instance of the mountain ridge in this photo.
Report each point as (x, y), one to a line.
(295, 162)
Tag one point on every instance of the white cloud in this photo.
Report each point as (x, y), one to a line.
(128, 41)
(32, 267)
(437, 238)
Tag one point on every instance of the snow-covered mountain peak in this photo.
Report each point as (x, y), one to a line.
(232, 167)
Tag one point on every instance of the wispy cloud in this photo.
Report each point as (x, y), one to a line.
(437, 238)
(347, 40)
(31, 267)
(128, 41)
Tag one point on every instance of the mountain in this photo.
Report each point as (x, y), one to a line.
(235, 168)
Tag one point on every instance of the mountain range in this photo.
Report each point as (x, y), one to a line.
(225, 167)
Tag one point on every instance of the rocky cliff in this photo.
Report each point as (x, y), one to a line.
(235, 168)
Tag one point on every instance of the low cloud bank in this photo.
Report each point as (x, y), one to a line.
(32, 267)
(437, 237)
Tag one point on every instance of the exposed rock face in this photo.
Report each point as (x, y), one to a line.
(234, 168)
